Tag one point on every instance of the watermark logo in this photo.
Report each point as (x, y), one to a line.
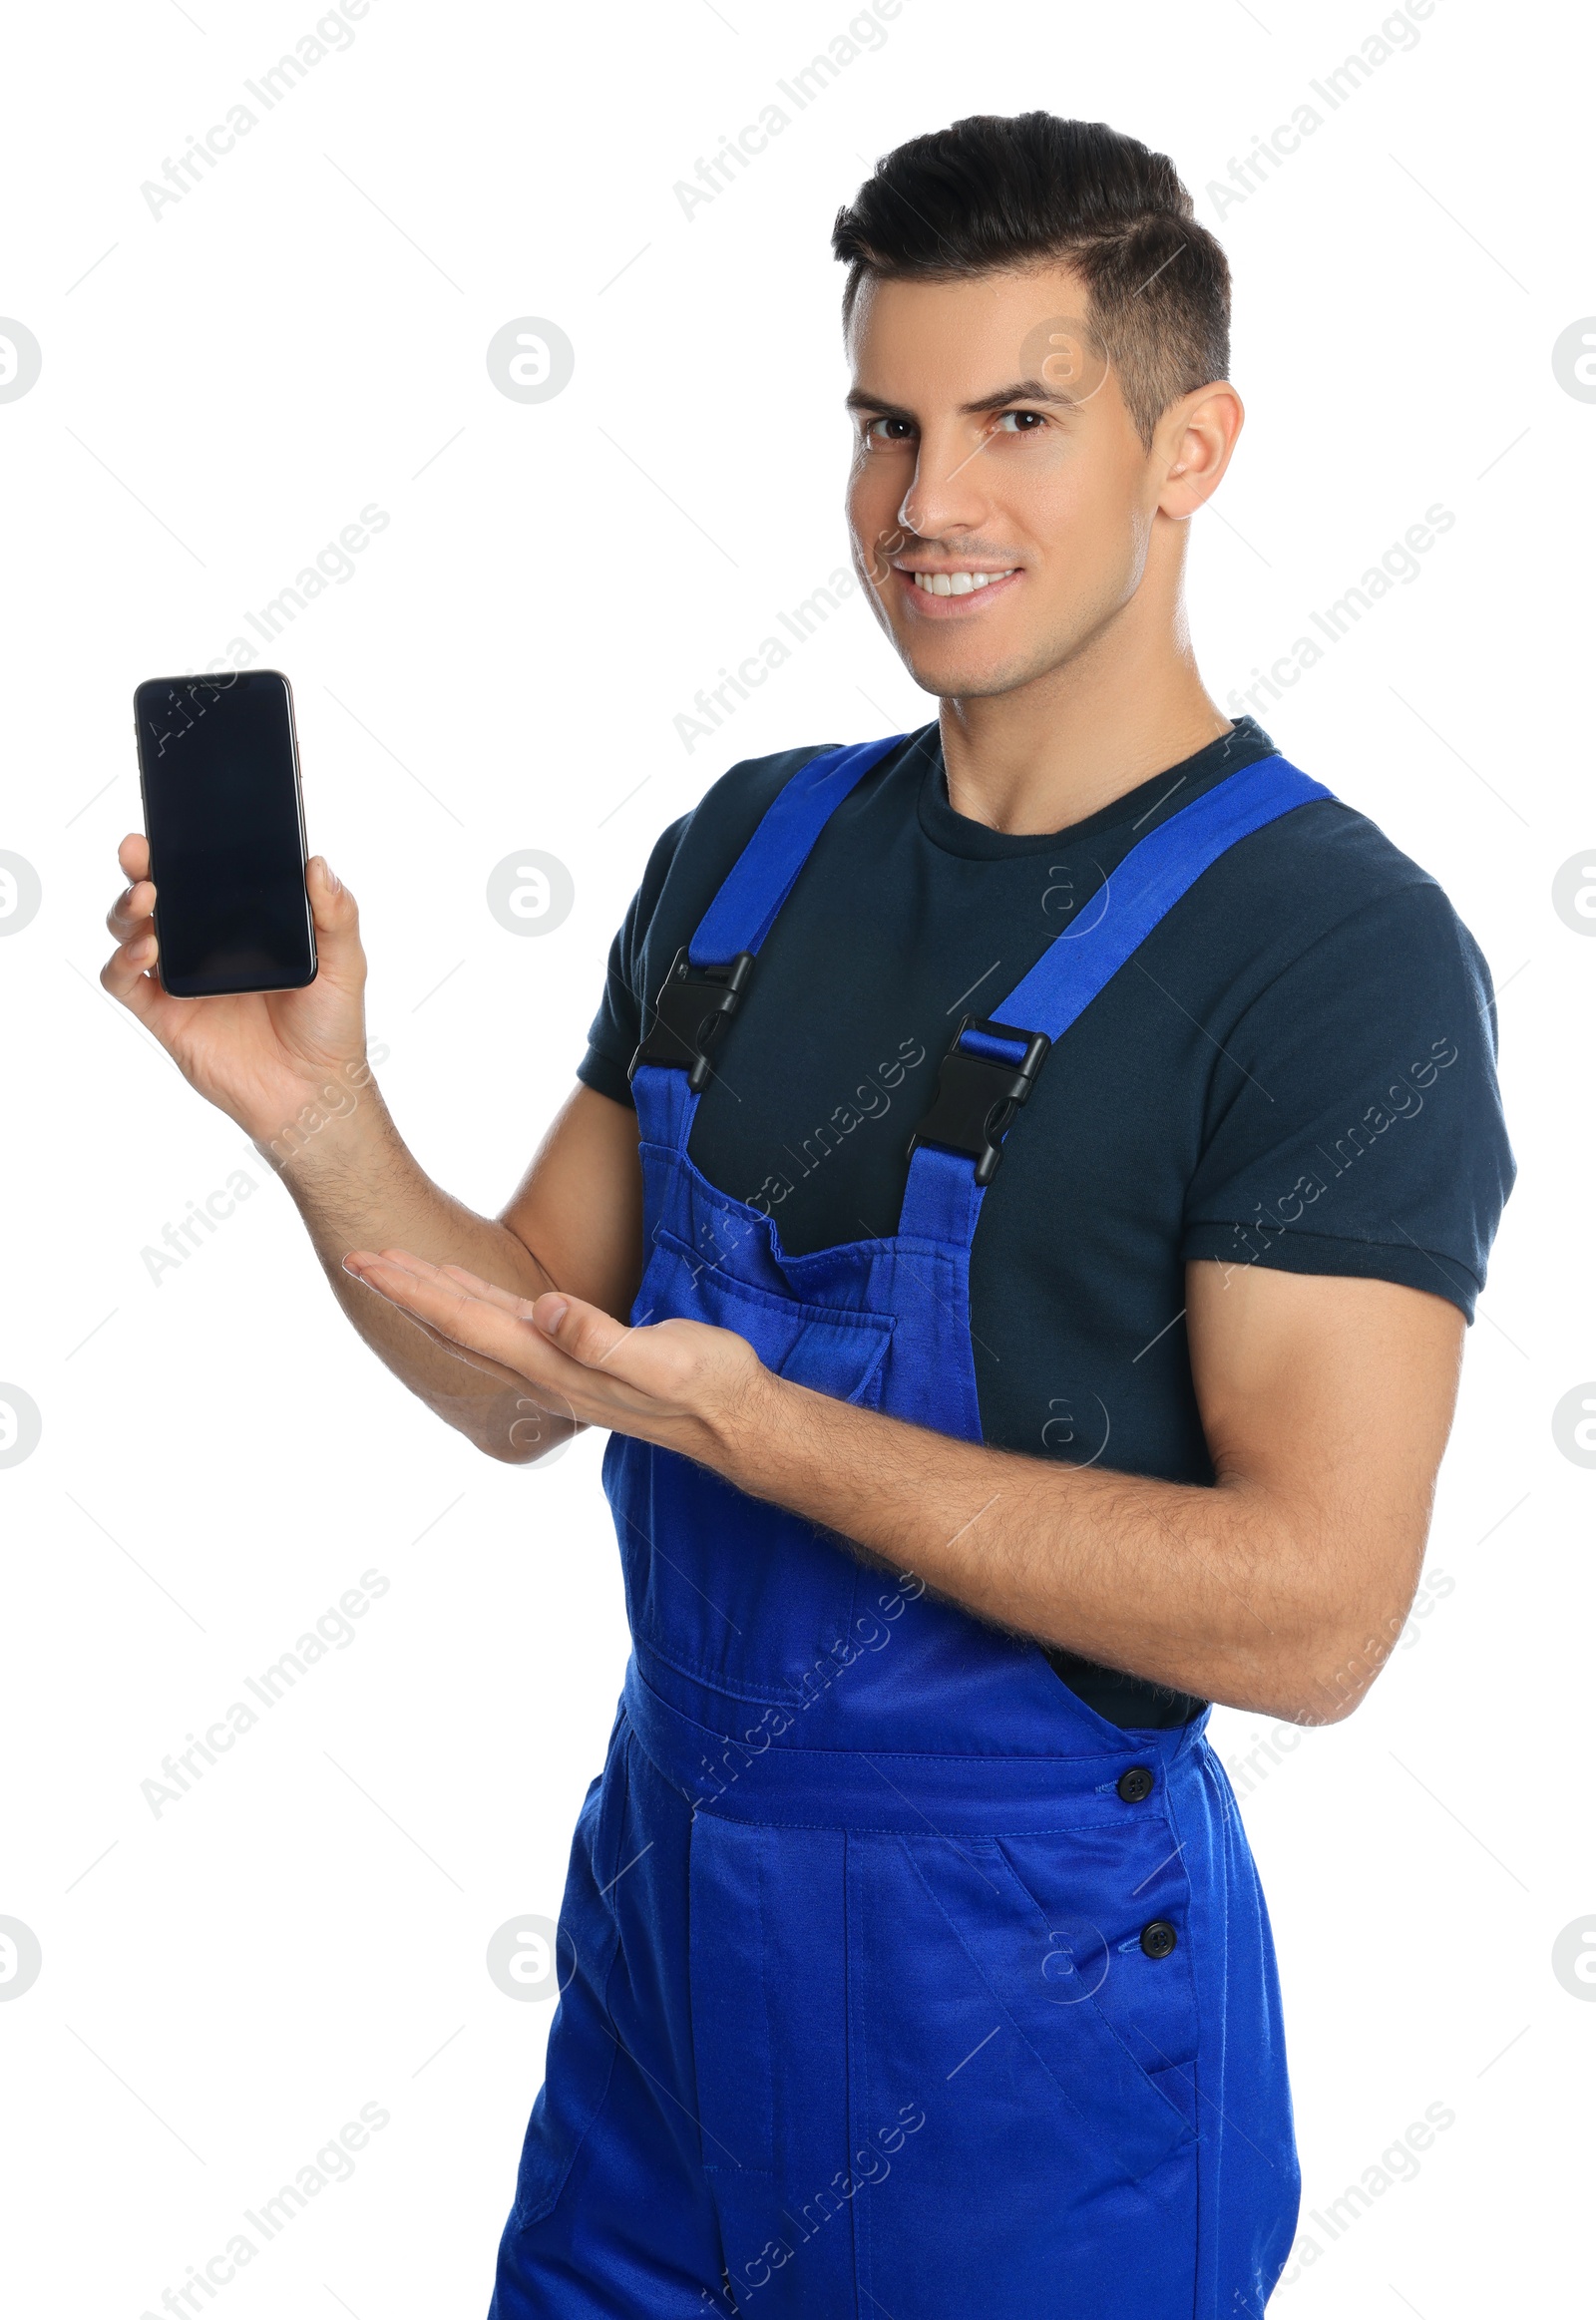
(537, 1432)
(1573, 1424)
(529, 1958)
(1573, 359)
(184, 1238)
(333, 1632)
(715, 703)
(1573, 1957)
(20, 889)
(1078, 1425)
(531, 893)
(531, 359)
(20, 1426)
(1398, 2163)
(865, 34)
(1398, 567)
(332, 33)
(21, 1958)
(1066, 356)
(332, 567)
(333, 2163)
(1074, 1964)
(332, 1102)
(1573, 892)
(21, 359)
(1399, 33)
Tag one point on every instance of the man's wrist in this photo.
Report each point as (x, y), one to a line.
(742, 1418)
(342, 1112)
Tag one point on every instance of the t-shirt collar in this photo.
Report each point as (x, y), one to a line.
(1149, 803)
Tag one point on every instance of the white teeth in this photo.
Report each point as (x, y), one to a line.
(956, 584)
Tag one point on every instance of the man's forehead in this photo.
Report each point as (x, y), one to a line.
(977, 339)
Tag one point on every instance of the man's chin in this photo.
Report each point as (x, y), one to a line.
(972, 676)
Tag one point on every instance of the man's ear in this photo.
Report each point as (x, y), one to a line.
(1195, 438)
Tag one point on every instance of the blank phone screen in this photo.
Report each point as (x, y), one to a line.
(227, 846)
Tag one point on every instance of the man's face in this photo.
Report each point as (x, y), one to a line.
(995, 455)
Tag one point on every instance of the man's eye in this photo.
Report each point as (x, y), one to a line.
(882, 431)
(1020, 422)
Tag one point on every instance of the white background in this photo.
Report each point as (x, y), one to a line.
(224, 388)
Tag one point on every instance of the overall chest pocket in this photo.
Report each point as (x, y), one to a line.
(826, 1347)
(726, 1587)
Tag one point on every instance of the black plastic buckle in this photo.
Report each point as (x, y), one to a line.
(694, 1003)
(978, 1096)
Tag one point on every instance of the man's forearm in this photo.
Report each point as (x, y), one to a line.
(1281, 1587)
(1208, 1590)
(356, 1184)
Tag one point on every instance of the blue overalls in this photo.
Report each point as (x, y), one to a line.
(900, 1982)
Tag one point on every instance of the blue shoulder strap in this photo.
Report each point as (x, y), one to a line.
(763, 875)
(942, 1198)
(746, 907)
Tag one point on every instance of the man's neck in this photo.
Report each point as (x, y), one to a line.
(1054, 751)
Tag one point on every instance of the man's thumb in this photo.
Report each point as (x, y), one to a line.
(332, 906)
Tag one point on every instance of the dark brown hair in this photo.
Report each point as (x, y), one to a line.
(998, 195)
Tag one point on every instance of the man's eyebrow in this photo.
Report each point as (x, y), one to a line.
(1023, 391)
(1027, 391)
(860, 399)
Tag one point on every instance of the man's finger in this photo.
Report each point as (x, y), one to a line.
(403, 1288)
(412, 1282)
(566, 1347)
(455, 1282)
(130, 913)
(491, 1293)
(127, 975)
(586, 1333)
(426, 1294)
(455, 1275)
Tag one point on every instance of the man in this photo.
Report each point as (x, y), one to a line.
(916, 1960)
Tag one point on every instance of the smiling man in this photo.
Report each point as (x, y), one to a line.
(1018, 1218)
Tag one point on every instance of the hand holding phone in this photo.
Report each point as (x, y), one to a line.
(243, 960)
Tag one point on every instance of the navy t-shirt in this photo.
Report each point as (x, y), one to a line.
(1296, 1069)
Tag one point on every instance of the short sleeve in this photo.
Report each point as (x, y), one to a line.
(617, 1029)
(1355, 1125)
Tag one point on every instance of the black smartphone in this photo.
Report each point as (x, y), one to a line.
(219, 766)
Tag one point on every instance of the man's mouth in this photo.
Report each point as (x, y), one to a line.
(931, 583)
(958, 583)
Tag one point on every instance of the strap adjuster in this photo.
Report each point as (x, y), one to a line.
(977, 1095)
(692, 1006)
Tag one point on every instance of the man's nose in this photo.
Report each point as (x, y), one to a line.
(949, 492)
